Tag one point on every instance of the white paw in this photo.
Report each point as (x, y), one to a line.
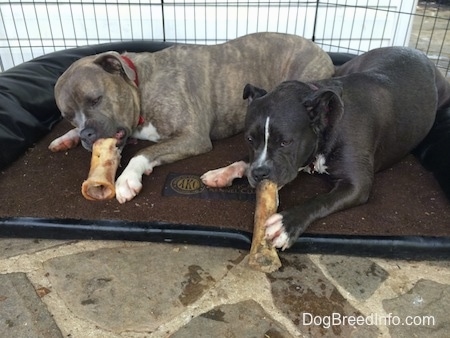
(65, 142)
(223, 177)
(128, 185)
(276, 233)
(217, 178)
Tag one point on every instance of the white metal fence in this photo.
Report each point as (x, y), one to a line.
(32, 28)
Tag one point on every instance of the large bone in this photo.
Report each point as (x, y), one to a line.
(263, 257)
(100, 184)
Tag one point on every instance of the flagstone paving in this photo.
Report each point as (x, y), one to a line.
(132, 289)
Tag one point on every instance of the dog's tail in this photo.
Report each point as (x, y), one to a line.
(434, 151)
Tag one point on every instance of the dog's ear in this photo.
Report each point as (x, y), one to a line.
(113, 63)
(325, 107)
(251, 92)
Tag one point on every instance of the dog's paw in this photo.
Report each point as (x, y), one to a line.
(223, 177)
(65, 142)
(217, 178)
(276, 232)
(128, 185)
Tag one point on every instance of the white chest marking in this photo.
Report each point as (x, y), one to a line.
(318, 166)
(263, 156)
(147, 132)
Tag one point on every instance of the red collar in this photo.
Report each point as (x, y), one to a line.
(136, 81)
(133, 67)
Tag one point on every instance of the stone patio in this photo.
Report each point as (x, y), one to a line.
(133, 289)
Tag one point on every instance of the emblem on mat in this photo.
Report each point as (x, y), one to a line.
(187, 184)
(191, 186)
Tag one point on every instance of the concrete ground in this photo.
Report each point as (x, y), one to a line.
(130, 289)
(82, 289)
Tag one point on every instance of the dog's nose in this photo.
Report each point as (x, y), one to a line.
(88, 135)
(260, 173)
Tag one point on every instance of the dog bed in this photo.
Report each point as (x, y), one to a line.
(408, 214)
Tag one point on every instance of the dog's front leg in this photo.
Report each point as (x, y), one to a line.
(129, 183)
(285, 227)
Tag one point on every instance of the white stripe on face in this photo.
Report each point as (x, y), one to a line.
(79, 120)
(262, 158)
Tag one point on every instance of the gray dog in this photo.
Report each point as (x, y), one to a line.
(181, 97)
(380, 106)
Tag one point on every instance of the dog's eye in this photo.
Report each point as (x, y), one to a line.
(95, 101)
(250, 139)
(286, 143)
